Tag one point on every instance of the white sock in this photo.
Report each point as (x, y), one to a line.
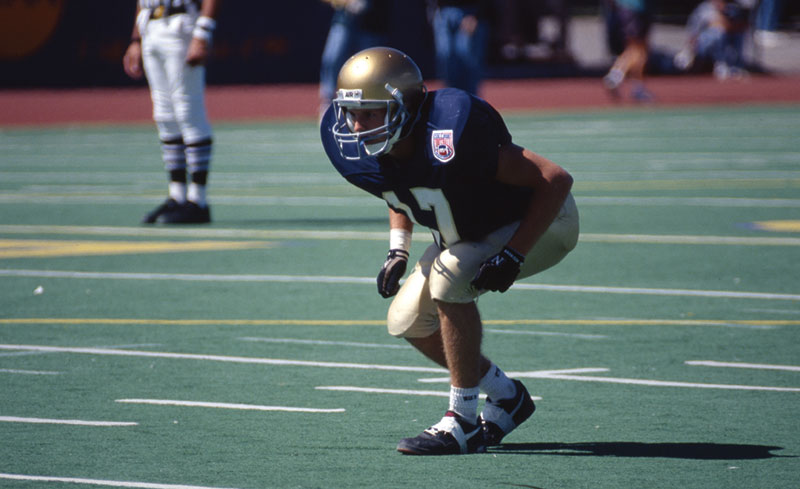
(197, 194)
(496, 385)
(464, 402)
(177, 192)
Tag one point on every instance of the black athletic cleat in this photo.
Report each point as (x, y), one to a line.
(188, 213)
(499, 418)
(450, 436)
(169, 205)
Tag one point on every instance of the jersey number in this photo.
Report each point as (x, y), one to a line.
(431, 200)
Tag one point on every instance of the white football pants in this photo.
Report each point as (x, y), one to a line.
(177, 89)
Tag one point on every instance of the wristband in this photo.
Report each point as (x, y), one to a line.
(399, 239)
(204, 28)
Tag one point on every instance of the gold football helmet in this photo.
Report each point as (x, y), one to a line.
(379, 78)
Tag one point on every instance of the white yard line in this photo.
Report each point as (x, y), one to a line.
(376, 390)
(226, 405)
(378, 235)
(73, 422)
(535, 374)
(663, 383)
(100, 482)
(292, 341)
(323, 279)
(756, 366)
(570, 374)
(403, 392)
(28, 372)
(221, 358)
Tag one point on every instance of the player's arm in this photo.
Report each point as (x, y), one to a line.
(393, 269)
(200, 46)
(551, 185)
(132, 60)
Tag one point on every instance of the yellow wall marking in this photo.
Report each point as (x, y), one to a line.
(35, 248)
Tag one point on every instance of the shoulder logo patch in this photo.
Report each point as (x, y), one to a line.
(443, 148)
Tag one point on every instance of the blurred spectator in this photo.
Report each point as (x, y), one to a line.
(519, 34)
(461, 36)
(716, 31)
(356, 25)
(768, 13)
(627, 27)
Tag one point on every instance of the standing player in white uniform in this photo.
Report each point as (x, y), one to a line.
(170, 43)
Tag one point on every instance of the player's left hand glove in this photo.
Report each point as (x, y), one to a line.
(499, 272)
(391, 272)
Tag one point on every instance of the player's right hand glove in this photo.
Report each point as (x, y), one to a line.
(391, 272)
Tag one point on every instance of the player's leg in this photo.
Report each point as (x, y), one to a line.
(417, 317)
(187, 97)
(172, 145)
(508, 404)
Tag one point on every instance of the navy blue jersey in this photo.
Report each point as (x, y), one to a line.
(449, 183)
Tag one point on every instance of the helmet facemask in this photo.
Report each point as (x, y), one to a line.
(372, 142)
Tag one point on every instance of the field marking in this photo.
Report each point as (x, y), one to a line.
(325, 279)
(45, 198)
(226, 405)
(403, 392)
(375, 390)
(665, 383)
(294, 234)
(73, 422)
(690, 202)
(221, 358)
(105, 198)
(688, 239)
(197, 233)
(787, 226)
(756, 366)
(326, 343)
(691, 183)
(754, 323)
(545, 333)
(570, 375)
(27, 372)
(716, 294)
(100, 482)
(534, 374)
(36, 248)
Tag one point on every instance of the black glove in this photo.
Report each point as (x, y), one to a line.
(499, 271)
(392, 271)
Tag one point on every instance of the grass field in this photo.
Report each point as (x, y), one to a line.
(252, 353)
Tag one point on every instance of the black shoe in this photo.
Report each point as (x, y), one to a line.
(499, 418)
(188, 213)
(169, 205)
(450, 436)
